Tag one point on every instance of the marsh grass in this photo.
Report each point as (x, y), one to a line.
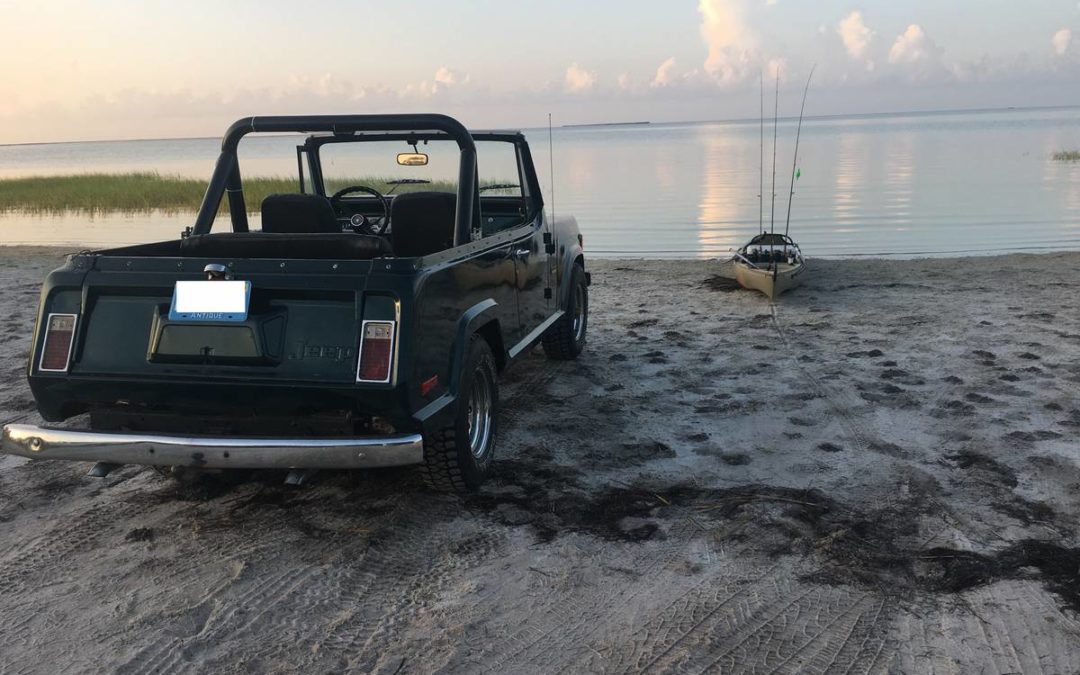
(144, 192)
(1067, 156)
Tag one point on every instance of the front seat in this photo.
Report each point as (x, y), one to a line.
(422, 223)
(297, 213)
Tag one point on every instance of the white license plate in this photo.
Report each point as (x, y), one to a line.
(210, 301)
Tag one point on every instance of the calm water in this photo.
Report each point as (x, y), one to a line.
(895, 185)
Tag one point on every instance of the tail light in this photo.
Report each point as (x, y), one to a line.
(376, 351)
(59, 338)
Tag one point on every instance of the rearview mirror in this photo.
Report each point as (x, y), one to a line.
(412, 159)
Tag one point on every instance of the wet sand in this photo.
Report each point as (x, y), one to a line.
(880, 473)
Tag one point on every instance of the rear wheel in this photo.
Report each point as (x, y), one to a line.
(566, 338)
(457, 458)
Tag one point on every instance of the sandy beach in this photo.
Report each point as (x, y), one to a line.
(880, 473)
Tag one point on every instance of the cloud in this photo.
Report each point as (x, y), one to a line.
(855, 35)
(732, 44)
(326, 85)
(663, 75)
(1061, 41)
(914, 47)
(443, 80)
(578, 79)
(447, 77)
(774, 66)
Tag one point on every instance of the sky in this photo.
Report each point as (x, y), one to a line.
(113, 69)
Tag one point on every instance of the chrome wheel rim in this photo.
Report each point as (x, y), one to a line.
(479, 414)
(578, 323)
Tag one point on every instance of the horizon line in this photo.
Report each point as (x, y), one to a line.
(578, 125)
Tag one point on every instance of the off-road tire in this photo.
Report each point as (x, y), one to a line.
(449, 462)
(563, 341)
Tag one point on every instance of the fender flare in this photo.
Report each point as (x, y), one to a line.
(472, 319)
(570, 258)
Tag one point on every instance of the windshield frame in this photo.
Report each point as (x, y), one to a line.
(530, 185)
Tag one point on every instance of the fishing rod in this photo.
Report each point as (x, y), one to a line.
(776, 113)
(761, 160)
(795, 157)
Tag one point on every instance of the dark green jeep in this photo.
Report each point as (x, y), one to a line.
(360, 327)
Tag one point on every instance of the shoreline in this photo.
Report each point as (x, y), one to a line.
(66, 249)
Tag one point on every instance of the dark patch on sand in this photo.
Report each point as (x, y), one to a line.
(551, 502)
(721, 284)
(953, 571)
(614, 456)
(1038, 316)
(1032, 436)
(955, 408)
(890, 449)
(1025, 510)
(873, 353)
(881, 548)
(973, 460)
(140, 534)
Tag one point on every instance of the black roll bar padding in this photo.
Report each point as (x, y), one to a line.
(227, 173)
(212, 197)
(235, 190)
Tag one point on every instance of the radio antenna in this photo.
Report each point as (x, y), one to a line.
(795, 157)
(551, 168)
(776, 113)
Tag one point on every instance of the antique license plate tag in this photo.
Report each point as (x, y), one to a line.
(210, 301)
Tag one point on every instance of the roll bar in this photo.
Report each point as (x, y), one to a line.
(226, 176)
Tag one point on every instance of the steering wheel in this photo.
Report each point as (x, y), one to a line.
(384, 222)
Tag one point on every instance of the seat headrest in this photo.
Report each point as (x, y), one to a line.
(422, 223)
(298, 214)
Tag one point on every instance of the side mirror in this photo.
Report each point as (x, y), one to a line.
(412, 159)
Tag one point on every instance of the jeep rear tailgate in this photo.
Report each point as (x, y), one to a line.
(301, 330)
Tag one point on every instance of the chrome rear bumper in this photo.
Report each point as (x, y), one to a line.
(212, 452)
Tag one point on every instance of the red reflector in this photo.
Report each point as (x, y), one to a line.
(59, 335)
(428, 385)
(376, 352)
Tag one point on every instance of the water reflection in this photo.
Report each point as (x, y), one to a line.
(91, 230)
(718, 205)
(905, 184)
(900, 173)
(849, 178)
